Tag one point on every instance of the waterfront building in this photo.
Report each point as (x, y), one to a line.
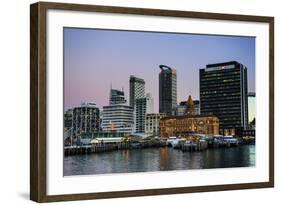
(103, 134)
(137, 89)
(251, 108)
(224, 93)
(189, 124)
(117, 116)
(152, 121)
(142, 107)
(116, 97)
(85, 118)
(250, 133)
(67, 119)
(167, 89)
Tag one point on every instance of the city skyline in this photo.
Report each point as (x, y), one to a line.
(95, 60)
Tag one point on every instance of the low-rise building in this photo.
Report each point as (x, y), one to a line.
(85, 118)
(152, 121)
(67, 119)
(189, 124)
(118, 118)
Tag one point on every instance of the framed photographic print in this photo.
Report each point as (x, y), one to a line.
(135, 102)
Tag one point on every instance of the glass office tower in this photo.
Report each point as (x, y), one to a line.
(224, 93)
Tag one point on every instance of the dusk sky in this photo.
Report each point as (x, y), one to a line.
(95, 59)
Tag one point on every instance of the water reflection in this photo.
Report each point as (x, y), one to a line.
(163, 159)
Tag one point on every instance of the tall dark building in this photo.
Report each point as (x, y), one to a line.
(167, 89)
(224, 93)
(137, 89)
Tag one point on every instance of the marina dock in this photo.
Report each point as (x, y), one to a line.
(100, 145)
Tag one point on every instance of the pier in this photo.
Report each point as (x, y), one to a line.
(100, 145)
(107, 147)
(95, 148)
(194, 146)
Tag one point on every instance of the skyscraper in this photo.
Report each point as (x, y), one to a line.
(224, 93)
(143, 106)
(137, 89)
(167, 89)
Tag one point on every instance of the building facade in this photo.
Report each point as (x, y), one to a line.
(224, 93)
(152, 121)
(67, 119)
(85, 119)
(118, 118)
(167, 89)
(189, 124)
(142, 107)
(137, 89)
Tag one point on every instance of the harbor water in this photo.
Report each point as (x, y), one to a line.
(158, 159)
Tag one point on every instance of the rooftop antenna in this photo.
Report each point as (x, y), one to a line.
(110, 93)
